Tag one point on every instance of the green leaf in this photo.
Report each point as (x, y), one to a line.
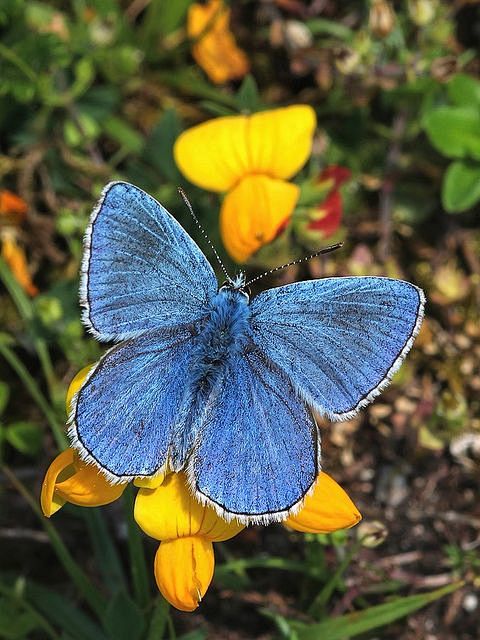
(455, 131)
(15, 624)
(123, 618)
(164, 17)
(247, 98)
(25, 437)
(4, 395)
(106, 555)
(461, 186)
(159, 149)
(62, 613)
(353, 624)
(159, 619)
(334, 28)
(198, 634)
(464, 90)
(126, 136)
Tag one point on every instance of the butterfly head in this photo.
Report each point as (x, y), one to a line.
(237, 283)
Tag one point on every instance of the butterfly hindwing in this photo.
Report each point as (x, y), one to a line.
(125, 413)
(339, 340)
(141, 271)
(257, 454)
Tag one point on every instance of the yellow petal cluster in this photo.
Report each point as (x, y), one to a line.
(250, 158)
(167, 510)
(214, 47)
(186, 529)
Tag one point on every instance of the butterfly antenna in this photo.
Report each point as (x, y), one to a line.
(204, 233)
(332, 247)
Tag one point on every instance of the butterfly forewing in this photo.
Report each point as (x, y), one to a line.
(141, 271)
(339, 340)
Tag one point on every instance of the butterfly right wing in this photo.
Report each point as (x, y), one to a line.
(339, 340)
(141, 270)
(257, 450)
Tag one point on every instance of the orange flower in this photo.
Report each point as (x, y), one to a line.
(251, 158)
(15, 257)
(12, 207)
(12, 213)
(214, 47)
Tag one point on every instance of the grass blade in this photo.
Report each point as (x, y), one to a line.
(352, 624)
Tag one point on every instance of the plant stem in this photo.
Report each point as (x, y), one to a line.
(325, 594)
(32, 387)
(141, 585)
(386, 193)
(94, 599)
(25, 310)
(12, 57)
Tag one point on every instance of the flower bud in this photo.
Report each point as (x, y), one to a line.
(422, 11)
(372, 534)
(381, 19)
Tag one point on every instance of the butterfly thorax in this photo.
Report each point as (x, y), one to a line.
(222, 336)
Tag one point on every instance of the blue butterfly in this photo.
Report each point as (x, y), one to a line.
(204, 380)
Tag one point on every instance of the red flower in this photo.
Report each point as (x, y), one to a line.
(328, 215)
(335, 172)
(325, 219)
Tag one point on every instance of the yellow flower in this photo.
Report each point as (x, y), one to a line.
(167, 510)
(327, 509)
(68, 479)
(184, 561)
(214, 47)
(251, 158)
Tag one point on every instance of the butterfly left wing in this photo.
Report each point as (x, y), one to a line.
(339, 340)
(125, 415)
(257, 452)
(140, 270)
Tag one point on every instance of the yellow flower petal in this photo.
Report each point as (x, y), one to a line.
(151, 482)
(61, 467)
(171, 511)
(75, 386)
(15, 257)
(215, 49)
(215, 155)
(68, 479)
(254, 212)
(183, 570)
(88, 487)
(327, 509)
